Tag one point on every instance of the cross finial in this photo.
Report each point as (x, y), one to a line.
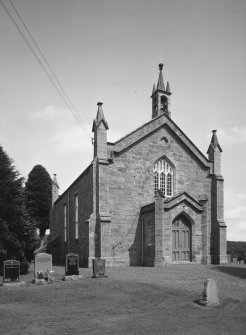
(160, 66)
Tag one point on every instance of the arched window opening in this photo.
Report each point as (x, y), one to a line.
(164, 103)
(163, 177)
(155, 104)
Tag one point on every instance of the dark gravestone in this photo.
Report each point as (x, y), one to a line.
(98, 265)
(3, 258)
(11, 271)
(72, 265)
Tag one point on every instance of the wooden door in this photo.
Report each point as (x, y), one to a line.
(181, 239)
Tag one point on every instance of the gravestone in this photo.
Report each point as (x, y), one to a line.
(210, 293)
(72, 265)
(11, 271)
(98, 265)
(229, 258)
(43, 263)
(3, 257)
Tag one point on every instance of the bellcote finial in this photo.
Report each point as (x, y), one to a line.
(160, 83)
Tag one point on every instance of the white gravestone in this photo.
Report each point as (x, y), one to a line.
(210, 293)
(43, 263)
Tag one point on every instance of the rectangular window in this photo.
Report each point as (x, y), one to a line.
(76, 207)
(65, 222)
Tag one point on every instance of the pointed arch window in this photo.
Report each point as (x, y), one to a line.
(163, 177)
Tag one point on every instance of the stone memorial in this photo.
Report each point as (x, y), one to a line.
(229, 258)
(210, 293)
(3, 257)
(98, 265)
(43, 264)
(72, 265)
(11, 271)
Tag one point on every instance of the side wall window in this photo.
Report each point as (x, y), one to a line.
(65, 222)
(76, 207)
(163, 177)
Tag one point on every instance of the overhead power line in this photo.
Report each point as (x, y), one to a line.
(51, 75)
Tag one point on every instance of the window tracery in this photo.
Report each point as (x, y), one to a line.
(163, 177)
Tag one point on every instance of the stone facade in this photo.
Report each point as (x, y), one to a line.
(125, 216)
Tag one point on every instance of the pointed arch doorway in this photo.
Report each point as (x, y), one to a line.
(181, 239)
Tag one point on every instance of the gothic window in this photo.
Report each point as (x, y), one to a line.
(163, 177)
(169, 185)
(162, 182)
(156, 181)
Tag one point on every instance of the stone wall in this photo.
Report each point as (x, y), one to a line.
(131, 181)
(83, 188)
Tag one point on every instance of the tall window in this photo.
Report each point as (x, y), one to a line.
(163, 177)
(76, 207)
(65, 222)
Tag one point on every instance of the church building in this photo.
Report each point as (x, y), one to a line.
(148, 199)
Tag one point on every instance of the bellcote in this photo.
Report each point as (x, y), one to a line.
(161, 96)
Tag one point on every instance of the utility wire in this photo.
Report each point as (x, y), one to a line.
(46, 62)
(56, 83)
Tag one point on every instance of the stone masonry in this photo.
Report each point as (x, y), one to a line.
(121, 216)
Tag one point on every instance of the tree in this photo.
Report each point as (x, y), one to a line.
(38, 197)
(17, 234)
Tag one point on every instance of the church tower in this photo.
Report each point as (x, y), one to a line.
(160, 97)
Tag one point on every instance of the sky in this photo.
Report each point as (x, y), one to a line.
(109, 51)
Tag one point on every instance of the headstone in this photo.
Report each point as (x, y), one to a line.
(11, 271)
(43, 263)
(3, 257)
(210, 293)
(98, 265)
(72, 265)
(234, 260)
(229, 258)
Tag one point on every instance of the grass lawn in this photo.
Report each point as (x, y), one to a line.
(135, 300)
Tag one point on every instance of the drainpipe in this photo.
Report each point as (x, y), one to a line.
(142, 256)
(68, 221)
